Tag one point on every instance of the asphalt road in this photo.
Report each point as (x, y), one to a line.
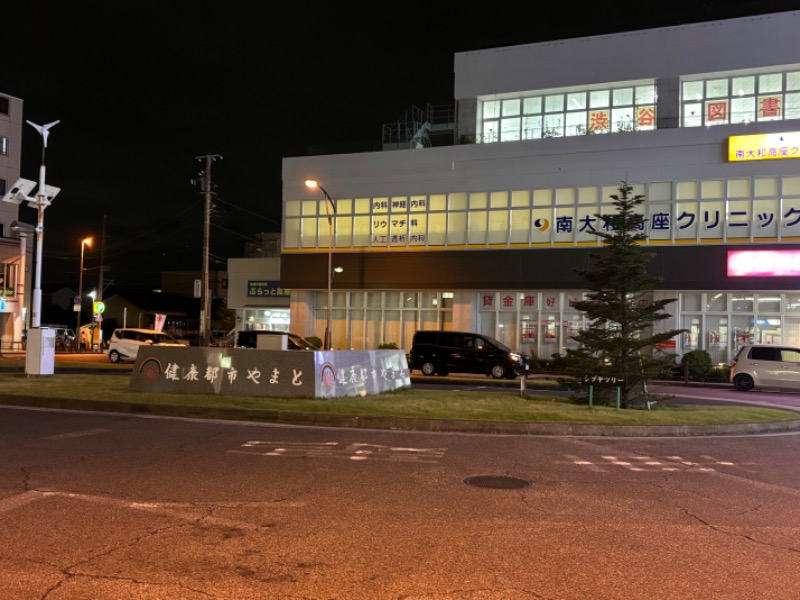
(118, 506)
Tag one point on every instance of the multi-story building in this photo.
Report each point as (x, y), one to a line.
(16, 240)
(703, 120)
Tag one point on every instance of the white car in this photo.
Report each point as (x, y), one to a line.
(766, 366)
(124, 343)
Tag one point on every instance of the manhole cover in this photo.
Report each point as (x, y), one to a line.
(497, 482)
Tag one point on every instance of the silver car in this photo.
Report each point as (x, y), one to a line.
(766, 366)
(124, 343)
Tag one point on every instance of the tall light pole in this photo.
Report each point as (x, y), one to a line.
(40, 349)
(41, 204)
(330, 211)
(79, 305)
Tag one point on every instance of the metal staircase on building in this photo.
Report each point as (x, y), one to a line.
(421, 128)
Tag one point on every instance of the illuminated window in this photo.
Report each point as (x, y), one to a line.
(556, 113)
(741, 98)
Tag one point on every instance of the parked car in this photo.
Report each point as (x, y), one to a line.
(64, 336)
(65, 339)
(124, 343)
(445, 352)
(766, 365)
(249, 339)
(223, 339)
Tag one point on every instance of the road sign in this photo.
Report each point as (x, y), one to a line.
(99, 307)
(77, 300)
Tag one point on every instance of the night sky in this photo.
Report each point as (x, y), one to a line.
(142, 88)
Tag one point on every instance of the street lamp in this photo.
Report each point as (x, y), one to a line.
(330, 207)
(78, 305)
(38, 355)
(42, 203)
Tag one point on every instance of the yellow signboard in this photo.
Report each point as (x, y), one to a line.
(769, 146)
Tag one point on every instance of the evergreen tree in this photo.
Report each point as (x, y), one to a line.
(621, 313)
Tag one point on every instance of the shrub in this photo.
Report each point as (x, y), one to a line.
(315, 340)
(719, 374)
(698, 363)
(388, 346)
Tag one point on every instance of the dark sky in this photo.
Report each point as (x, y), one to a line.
(142, 88)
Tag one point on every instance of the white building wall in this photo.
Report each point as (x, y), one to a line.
(638, 157)
(465, 317)
(302, 315)
(744, 43)
(11, 128)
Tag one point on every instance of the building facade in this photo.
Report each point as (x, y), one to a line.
(256, 294)
(703, 120)
(16, 240)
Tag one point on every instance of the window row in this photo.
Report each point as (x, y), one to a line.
(765, 209)
(365, 320)
(737, 302)
(544, 323)
(580, 112)
(727, 98)
(741, 98)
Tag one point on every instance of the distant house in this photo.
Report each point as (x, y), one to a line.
(63, 297)
(139, 309)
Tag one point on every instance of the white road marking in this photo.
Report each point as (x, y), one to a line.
(13, 502)
(354, 452)
(184, 511)
(651, 464)
(76, 434)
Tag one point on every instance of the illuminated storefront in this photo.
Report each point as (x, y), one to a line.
(485, 235)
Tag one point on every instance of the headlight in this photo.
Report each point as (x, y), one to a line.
(515, 357)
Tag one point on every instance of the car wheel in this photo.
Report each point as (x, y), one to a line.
(498, 371)
(428, 368)
(113, 356)
(743, 383)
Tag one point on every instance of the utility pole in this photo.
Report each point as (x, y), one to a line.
(207, 189)
(102, 252)
(98, 318)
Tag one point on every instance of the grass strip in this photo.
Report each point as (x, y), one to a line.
(485, 405)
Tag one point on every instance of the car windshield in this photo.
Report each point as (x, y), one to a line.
(498, 345)
(163, 338)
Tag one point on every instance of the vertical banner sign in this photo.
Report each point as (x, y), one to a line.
(160, 320)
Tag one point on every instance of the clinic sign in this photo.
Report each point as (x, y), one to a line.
(769, 146)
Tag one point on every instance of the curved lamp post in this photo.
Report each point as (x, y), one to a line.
(84, 242)
(330, 211)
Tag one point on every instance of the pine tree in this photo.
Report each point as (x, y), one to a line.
(621, 313)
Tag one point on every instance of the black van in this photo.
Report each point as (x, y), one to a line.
(445, 352)
(249, 339)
